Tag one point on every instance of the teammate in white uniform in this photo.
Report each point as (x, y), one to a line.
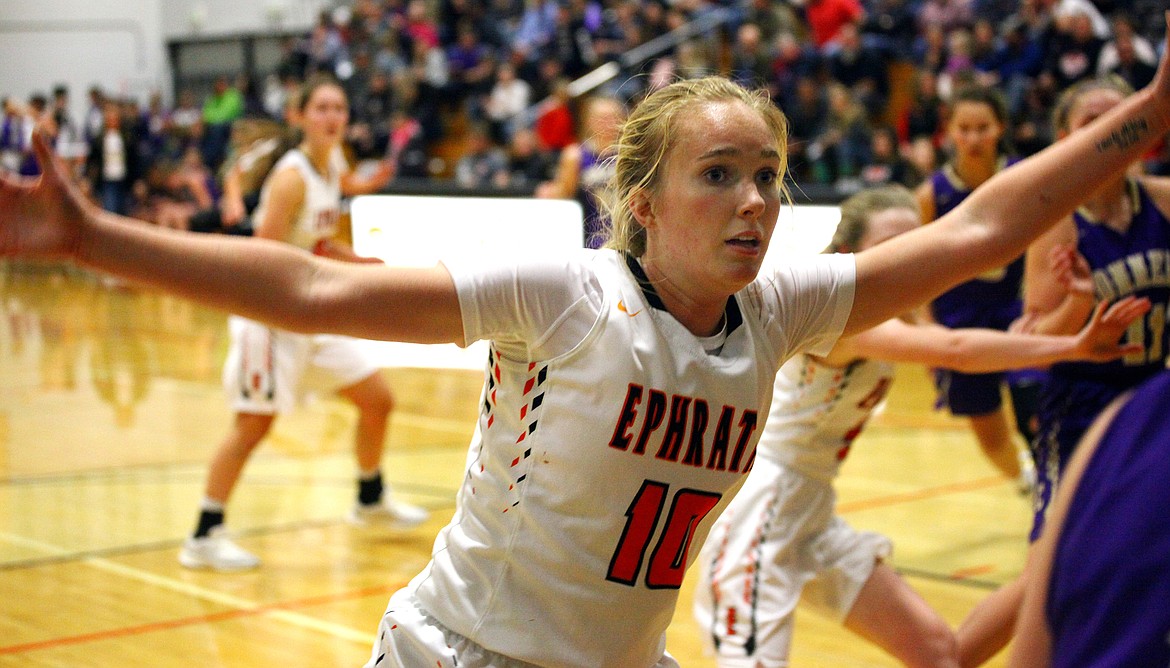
(269, 371)
(615, 425)
(780, 537)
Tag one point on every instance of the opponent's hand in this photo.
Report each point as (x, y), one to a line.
(1100, 339)
(43, 216)
(1071, 269)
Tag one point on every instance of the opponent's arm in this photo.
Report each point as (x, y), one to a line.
(974, 350)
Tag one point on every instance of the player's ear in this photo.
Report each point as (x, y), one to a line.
(642, 207)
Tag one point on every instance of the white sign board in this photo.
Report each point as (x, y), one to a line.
(419, 231)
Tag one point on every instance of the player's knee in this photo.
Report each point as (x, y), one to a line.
(376, 400)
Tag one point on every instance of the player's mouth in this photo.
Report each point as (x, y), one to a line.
(745, 242)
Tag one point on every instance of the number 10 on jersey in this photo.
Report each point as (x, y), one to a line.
(668, 561)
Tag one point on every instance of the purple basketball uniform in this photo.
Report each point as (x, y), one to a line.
(1134, 263)
(1109, 591)
(992, 301)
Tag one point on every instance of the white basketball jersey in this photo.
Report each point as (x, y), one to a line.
(817, 410)
(594, 477)
(321, 207)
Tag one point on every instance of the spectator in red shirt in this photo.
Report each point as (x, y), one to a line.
(825, 18)
(554, 125)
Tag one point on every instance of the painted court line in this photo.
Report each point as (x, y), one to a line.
(242, 607)
(921, 494)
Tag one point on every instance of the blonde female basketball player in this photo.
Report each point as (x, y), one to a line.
(625, 385)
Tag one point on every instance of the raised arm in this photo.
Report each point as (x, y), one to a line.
(995, 224)
(977, 350)
(269, 281)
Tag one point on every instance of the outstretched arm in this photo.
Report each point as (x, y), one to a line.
(267, 280)
(995, 224)
(985, 350)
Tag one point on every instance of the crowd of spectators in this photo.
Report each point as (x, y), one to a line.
(865, 84)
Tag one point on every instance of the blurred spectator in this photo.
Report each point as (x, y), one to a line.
(15, 137)
(572, 42)
(1129, 55)
(113, 165)
(1031, 129)
(39, 117)
(554, 123)
(407, 145)
(509, 97)
(483, 164)
(470, 66)
(326, 48)
(369, 122)
(842, 147)
(94, 122)
(1015, 64)
(1123, 29)
(610, 39)
(985, 43)
(535, 32)
(886, 164)
(793, 60)
(528, 163)
(187, 120)
(220, 109)
(945, 14)
(931, 50)
(172, 195)
(751, 59)
(924, 112)
(1064, 9)
(891, 25)
(429, 72)
(772, 18)
(862, 69)
(806, 113)
(70, 143)
(826, 17)
(153, 131)
(1073, 51)
(418, 26)
(1136, 72)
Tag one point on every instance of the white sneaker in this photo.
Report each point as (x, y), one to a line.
(1026, 481)
(217, 552)
(389, 514)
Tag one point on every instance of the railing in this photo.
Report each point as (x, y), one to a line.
(635, 57)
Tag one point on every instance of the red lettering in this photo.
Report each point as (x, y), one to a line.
(676, 428)
(621, 439)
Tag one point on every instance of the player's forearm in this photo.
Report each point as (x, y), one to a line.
(252, 277)
(987, 350)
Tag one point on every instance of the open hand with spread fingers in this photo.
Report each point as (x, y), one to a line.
(42, 216)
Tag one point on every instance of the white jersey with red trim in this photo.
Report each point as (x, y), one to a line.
(817, 411)
(608, 441)
(321, 207)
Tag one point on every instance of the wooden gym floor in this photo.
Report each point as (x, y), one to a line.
(110, 408)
